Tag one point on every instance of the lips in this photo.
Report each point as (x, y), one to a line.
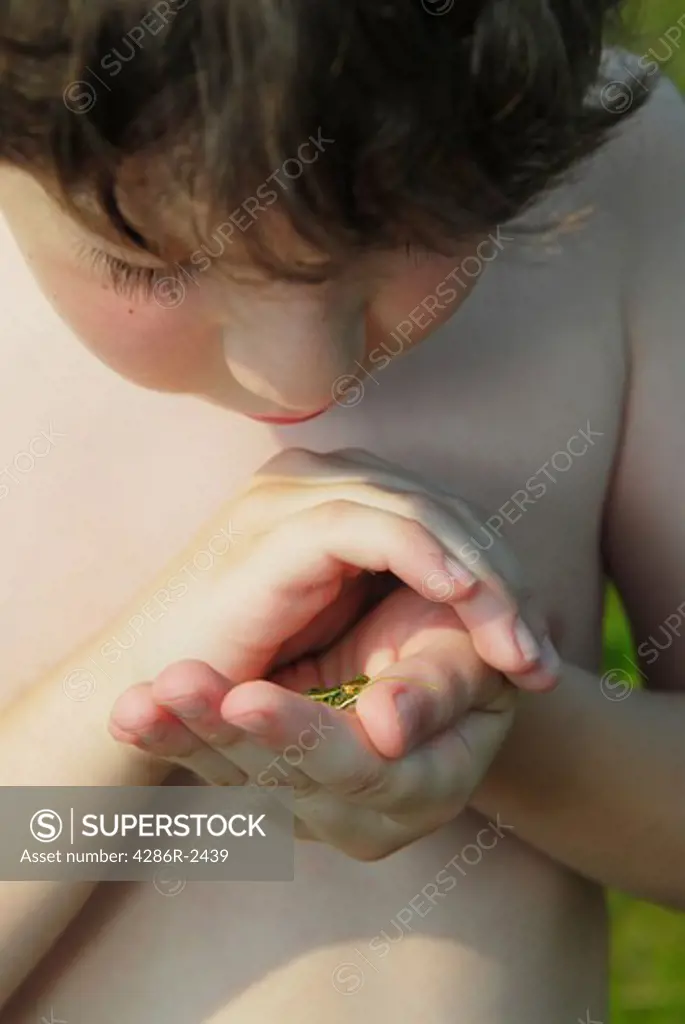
(288, 420)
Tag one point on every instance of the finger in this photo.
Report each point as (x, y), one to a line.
(356, 597)
(137, 719)
(333, 751)
(355, 783)
(298, 480)
(440, 777)
(192, 691)
(508, 632)
(499, 570)
(424, 669)
(422, 695)
(294, 572)
(456, 763)
(486, 590)
(327, 745)
(320, 815)
(531, 664)
(499, 608)
(362, 476)
(271, 769)
(429, 786)
(432, 783)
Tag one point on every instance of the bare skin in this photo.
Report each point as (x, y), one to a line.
(536, 356)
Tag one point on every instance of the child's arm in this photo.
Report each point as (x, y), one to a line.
(271, 581)
(48, 740)
(599, 783)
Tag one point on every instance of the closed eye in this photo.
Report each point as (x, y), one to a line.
(134, 281)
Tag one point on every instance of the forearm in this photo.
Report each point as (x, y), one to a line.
(47, 739)
(598, 785)
(56, 734)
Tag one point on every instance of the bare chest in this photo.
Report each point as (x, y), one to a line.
(515, 405)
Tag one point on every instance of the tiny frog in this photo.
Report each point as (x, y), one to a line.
(343, 696)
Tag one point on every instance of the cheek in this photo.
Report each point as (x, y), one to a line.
(168, 349)
(417, 300)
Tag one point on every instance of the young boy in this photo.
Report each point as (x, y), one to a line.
(264, 205)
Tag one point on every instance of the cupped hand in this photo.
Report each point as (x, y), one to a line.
(315, 531)
(296, 606)
(368, 780)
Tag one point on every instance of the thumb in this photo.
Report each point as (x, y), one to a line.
(417, 698)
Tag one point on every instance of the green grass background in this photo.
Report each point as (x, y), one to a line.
(648, 956)
(648, 942)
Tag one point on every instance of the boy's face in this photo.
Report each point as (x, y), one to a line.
(271, 350)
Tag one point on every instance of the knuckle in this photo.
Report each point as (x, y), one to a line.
(418, 508)
(353, 458)
(304, 788)
(352, 452)
(130, 703)
(181, 678)
(324, 516)
(412, 530)
(367, 783)
(367, 853)
(229, 775)
(256, 489)
(412, 505)
(180, 672)
(422, 506)
(291, 462)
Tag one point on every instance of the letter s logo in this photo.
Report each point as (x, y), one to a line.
(46, 826)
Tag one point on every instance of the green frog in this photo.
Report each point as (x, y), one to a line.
(343, 696)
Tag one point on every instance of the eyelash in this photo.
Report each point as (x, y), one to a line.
(130, 281)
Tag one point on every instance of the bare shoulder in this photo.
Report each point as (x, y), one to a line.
(626, 202)
(643, 166)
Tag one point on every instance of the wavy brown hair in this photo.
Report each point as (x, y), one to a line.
(443, 118)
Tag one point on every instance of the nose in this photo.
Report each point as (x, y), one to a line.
(290, 352)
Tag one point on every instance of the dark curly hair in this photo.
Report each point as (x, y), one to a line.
(430, 120)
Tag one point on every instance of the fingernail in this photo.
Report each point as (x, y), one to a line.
(528, 645)
(549, 657)
(406, 712)
(460, 573)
